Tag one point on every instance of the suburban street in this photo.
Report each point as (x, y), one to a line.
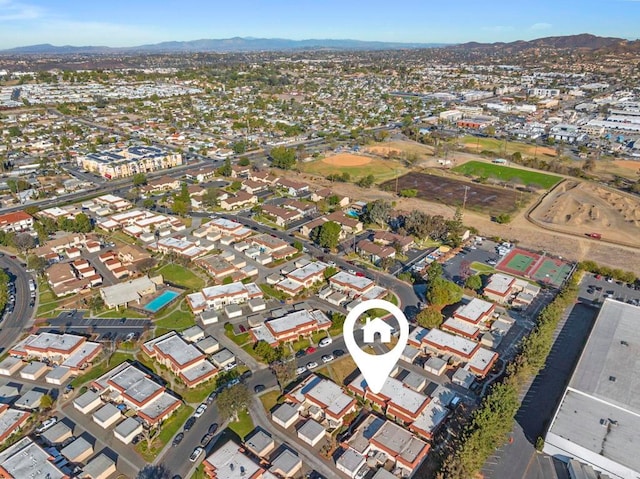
(20, 319)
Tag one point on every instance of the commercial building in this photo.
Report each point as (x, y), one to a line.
(598, 419)
(129, 161)
(131, 291)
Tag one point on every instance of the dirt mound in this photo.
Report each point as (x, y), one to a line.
(587, 207)
(346, 159)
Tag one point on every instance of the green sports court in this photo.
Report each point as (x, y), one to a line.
(552, 271)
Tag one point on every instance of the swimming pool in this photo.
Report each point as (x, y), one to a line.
(161, 301)
(352, 214)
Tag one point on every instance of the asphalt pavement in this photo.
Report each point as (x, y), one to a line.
(21, 318)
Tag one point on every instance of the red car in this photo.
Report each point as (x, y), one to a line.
(311, 350)
(358, 273)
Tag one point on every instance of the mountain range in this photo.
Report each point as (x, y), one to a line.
(248, 44)
(225, 45)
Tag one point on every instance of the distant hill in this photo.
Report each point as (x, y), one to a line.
(236, 44)
(584, 41)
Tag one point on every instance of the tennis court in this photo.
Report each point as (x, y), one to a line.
(552, 271)
(518, 262)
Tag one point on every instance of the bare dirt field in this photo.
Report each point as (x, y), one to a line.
(397, 148)
(346, 159)
(528, 235)
(582, 208)
(451, 192)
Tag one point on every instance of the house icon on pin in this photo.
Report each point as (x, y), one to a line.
(377, 326)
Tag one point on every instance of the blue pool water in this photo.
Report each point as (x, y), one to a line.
(352, 213)
(161, 301)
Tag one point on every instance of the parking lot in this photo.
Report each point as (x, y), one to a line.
(106, 329)
(596, 290)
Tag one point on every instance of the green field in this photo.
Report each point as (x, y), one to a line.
(181, 276)
(520, 262)
(505, 173)
(502, 147)
(382, 170)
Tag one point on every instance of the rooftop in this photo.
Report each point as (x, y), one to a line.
(355, 282)
(500, 283)
(97, 466)
(230, 463)
(400, 441)
(474, 309)
(25, 459)
(396, 394)
(173, 346)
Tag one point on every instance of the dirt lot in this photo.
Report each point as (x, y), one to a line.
(527, 234)
(581, 208)
(451, 192)
(346, 159)
(397, 148)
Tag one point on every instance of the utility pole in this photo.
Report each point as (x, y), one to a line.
(396, 172)
(464, 201)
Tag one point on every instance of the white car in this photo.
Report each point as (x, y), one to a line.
(312, 365)
(200, 411)
(197, 452)
(47, 424)
(301, 370)
(352, 271)
(327, 358)
(325, 342)
(230, 366)
(331, 263)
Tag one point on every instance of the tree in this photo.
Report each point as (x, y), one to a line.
(235, 186)
(298, 245)
(266, 352)
(285, 372)
(149, 435)
(36, 263)
(502, 218)
(244, 162)
(366, 181)
(46, 402)
(442, 292)
(180, 207)
(148, 203)
(465, 270)
(139, 179)
(330, 271)
(327, 235)
(24, 242)
(225, 170)
(210, 197)
(232, 401)
(377, 212)
(283, 157)
(409, 193)
(239, 147)
(429, 318)
(434, 272)
(474, 282)
(157, 471)
(82, 223)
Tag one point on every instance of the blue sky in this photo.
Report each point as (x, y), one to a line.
(135, 22)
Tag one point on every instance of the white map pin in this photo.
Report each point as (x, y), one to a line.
(375, 368)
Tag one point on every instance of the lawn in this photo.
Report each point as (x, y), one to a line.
(382, 170)
(480, 169)
(177, 320)
(181, 276)
(270, 399)
(482, 268)
(271, 292)
(300, 344)
(198, 393)
(239, 339)
(169, 429)
(243, 426)
(507, 148)
(339, 369)
(99, 369)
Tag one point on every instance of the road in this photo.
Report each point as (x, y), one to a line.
(15, 323)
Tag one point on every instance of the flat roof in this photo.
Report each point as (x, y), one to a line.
(286, 462)
(285, 412)
(290, 321)
(357, 282)
(310, 269)
(431, 416)
(176, 348)
(499, 283)
(460, 325)
(76, 448)
(25, 459)
(48, 341)
(449, 341)
(259, 441)
(128, 426)
(599, 414)
(10, 418)
(474, 309)
(106, 412)
(85, 399)
(126, 292)
(482, 358)
(80, 355)
(135, 383)
(230, 463)
(159, 405)
(311, 429)
(397, 393)
(400, 441)
(97, 466)
(361, 437)
(351, 460)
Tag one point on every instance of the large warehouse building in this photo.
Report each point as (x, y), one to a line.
(598, 420)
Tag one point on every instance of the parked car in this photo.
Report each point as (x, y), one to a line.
(258, 388)
(211, 397)
(189, 424)
(213, 428)
(197, 452)
(301, 353)
(206, 439)
(312, 365)
(301, 370)
(327, 358)
(310, 350)
(230, 366)
(325, 342)
(178, 439)
(47, 424)
(246, 375)
(200, 411)
(338, 352)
